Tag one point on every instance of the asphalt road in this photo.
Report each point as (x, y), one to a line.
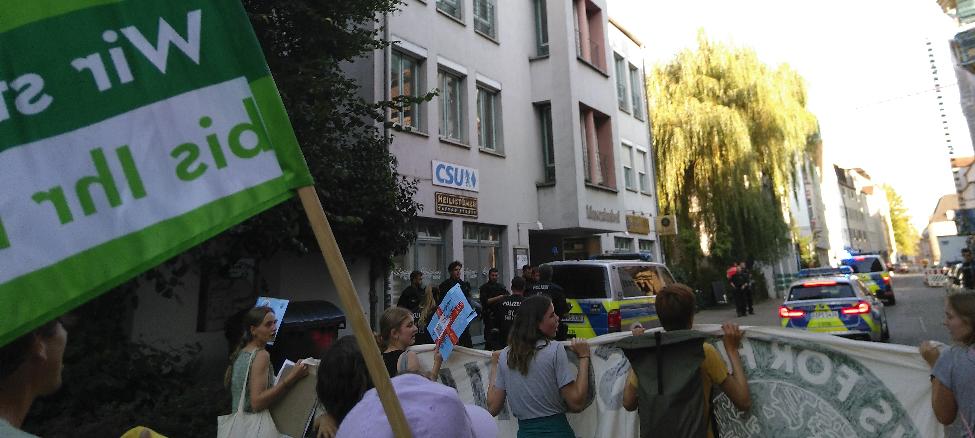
(917, 316)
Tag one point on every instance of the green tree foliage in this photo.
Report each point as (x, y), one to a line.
(111, 383)
(904, 233)
(727, 130)
(370, 206)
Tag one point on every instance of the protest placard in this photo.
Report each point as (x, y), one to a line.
(452, 317)
(143, 129)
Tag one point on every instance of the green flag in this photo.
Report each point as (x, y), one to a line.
(129, 132)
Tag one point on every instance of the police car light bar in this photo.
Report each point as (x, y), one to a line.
(819, 283)
(824, 272)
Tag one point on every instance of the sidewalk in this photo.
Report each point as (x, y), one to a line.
(766, 314)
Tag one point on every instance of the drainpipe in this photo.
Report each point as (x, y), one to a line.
(374, 270)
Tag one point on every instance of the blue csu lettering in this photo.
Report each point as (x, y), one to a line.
(456, 176)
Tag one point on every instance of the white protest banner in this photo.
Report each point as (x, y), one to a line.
(129, 132)
(802, 385)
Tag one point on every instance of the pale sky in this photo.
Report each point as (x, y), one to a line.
(866, 69)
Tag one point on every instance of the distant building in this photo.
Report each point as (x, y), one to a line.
(941, 223)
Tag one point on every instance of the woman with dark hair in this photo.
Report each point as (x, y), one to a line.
(250, 364)
(397, 332)
(953, 371)
(533, 374)
(342, 380)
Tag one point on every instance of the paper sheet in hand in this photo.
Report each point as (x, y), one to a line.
(451, 319)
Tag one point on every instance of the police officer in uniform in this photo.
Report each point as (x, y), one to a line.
(509, 309)
(556, 293)
(491, 294)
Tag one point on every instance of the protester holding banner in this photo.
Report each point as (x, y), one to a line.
(30, 367)
(533, 374)
(342, 380)
(259, 328)
(454, 268)
(397, 332)
(675, 305)
(953, 371)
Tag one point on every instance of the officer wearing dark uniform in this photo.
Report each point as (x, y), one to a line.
(554, 292)
(491, 294)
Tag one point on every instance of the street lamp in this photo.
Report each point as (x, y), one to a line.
(537, 224)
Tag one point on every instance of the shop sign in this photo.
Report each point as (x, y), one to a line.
(455, 176)
(609, 216)
(637, 224)
(455, 205)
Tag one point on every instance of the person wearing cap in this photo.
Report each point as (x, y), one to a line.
(431, 409)
(532, 374)
(30, 367)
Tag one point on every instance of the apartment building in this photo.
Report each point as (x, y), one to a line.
(537, 146)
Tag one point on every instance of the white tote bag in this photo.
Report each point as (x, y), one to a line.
(242, 424)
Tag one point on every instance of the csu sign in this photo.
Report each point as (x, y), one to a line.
(454, 176)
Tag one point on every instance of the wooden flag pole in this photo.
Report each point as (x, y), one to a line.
(353, 310)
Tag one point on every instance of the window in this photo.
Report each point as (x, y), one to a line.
(541, 28)
(646, 246)
(548, 144)
(451, 7)
(590, 43)
(636, 91)
(643, 280)
(641, 171)
(488, 119)
(628, 178)
(597, 147)
(451, 106)
(485, 17)
(425, 255)
(621, 96)
(405, 82)
(623, 244)
(482, 251)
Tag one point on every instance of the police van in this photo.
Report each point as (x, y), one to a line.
(608, 296)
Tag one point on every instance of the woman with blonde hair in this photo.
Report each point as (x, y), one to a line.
(953, 371)
(250, 364)
(397, 332)
(533, 374)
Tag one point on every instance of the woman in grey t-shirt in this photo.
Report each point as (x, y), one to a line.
(534, 376)
(953, 372)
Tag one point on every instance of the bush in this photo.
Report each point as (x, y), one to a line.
(112, 384)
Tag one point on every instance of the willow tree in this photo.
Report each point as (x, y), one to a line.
(727, 132)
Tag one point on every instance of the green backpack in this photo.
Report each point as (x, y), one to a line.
(670, 393)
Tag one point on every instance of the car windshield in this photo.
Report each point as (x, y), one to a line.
(825, 292)
(870, 264)
(643, 280)
(580, 281)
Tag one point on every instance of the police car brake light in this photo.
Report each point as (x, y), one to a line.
(785, 312)
(858, 309)
(859, 258)
(614, 321)
(819, 283)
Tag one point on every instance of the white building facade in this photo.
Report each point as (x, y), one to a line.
(537, 147)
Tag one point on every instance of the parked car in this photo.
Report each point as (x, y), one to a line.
(838, 305)
(608, 296)
(874, 274)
